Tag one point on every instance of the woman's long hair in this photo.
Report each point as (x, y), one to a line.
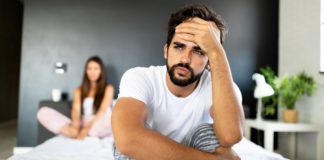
(100, 84)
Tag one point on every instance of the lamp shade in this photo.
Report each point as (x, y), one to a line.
(262, 89)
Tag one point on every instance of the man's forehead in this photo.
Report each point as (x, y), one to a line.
(176, 38)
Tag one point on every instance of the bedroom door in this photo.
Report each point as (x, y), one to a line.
(11, 14)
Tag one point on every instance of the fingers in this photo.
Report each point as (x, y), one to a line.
(197, 26)
(204, 22)
(203, 33)
(216, 32)
(186, 37)
(192, 25)
(189, 30)
(198, 20)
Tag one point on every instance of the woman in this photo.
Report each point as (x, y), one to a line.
(90, 108)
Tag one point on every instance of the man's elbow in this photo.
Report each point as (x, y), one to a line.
(123, 141)
(124, 146)
(230, 140)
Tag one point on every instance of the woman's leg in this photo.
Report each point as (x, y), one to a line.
(55, 122)
(102, 127)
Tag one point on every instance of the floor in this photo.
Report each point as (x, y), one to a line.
(8, 134)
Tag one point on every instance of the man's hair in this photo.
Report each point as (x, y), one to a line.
(196, 10)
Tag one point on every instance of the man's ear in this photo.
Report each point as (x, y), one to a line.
(207, 66)
(165, 49)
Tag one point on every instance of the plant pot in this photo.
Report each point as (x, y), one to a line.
(290, 115)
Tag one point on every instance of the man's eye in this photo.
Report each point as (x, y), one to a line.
(199, 52)
(178, 47)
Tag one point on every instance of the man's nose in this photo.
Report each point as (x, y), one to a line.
(186, 57)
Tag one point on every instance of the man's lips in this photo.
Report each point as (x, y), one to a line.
(183, 70)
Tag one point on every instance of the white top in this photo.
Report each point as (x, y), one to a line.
(169, 115)
(88, 110)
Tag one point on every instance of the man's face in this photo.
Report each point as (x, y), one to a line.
(185, 61)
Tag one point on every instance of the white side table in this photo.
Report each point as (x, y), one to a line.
(269, 127)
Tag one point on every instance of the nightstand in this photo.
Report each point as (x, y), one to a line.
(269, 127)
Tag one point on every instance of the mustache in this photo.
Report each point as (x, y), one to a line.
(185, 65)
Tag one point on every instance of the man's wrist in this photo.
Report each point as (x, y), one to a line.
(214, 55)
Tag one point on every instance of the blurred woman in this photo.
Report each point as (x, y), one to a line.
(91, 107)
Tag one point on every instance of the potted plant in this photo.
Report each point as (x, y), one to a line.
(270, 103)
(291, 89)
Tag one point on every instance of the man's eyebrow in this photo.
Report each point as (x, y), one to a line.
(197, 48)
(179, 44)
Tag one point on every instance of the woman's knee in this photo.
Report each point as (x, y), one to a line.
(43, 113)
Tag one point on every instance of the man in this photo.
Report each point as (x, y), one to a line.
(163, 112)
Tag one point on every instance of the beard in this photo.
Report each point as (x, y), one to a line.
(182, 82)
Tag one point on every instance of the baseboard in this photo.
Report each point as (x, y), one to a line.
(21, 150)
(8, 123)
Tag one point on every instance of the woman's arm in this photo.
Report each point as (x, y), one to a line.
(76, 109)
(72, 130)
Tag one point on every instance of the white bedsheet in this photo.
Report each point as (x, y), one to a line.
(62, 148)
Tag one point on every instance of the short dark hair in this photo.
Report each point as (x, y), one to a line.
(195, 10)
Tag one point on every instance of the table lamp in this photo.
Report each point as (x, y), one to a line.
(262, 89)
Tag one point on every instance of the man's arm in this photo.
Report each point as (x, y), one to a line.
(226, 110)
(136, 141)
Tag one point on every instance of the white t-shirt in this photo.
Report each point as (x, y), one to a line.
(169, 115)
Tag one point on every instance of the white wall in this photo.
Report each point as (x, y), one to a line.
(322, 35)
(299, 49)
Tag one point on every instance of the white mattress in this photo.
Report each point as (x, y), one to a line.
(62, 148)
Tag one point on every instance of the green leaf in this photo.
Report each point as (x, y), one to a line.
(292, 88)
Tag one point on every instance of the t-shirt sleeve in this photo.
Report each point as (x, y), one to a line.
(135, 84)
(238, 93)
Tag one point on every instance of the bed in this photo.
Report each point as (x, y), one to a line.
(62, 148)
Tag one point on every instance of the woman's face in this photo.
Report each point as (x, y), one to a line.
(93, 71)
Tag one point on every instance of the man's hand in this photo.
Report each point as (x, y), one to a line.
(226, 154)
(205, 34)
